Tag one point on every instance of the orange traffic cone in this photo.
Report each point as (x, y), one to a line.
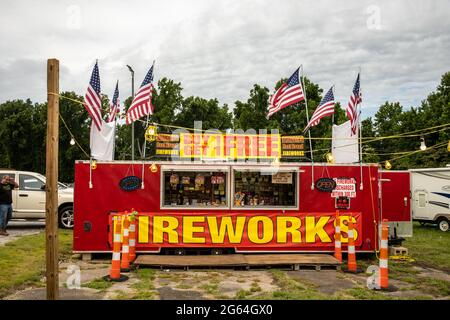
(114, 273)
(125, 262)
(351, 253)
(132, 240)
(337, 238)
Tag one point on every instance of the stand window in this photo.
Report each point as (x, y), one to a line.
(195, 189)
(256, 189)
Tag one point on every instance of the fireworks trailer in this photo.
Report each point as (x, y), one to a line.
(225, 206)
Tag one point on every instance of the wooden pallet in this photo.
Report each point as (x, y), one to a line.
(294, 261)
(247, 261)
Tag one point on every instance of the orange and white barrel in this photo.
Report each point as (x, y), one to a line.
(337, 238)
(114, 273)
(384, 282)
(132, 240)
(125, 263)
(351, 246)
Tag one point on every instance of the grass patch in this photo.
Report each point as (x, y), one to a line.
(429, 247)
(146, 277)
(98, 284)
(183, 286)
(22, 262)
(210, 288)
(290, 289)
(362, 293)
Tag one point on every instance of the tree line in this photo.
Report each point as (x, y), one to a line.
(23, 126)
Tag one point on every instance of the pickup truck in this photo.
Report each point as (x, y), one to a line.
(29, 198)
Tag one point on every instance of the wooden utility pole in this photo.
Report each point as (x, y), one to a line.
(51, 185)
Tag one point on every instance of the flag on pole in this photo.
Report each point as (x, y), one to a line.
(289, 93)
(355, 100)
(142, 101)
(325, 108)
(92, 99)
(115, 105)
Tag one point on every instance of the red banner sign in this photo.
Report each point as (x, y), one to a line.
(241, 229)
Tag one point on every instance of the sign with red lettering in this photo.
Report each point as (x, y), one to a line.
(345, 187)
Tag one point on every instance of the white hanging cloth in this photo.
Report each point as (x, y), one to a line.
(102, 141)
(344, 145)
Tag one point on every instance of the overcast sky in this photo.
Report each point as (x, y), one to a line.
(220, 48)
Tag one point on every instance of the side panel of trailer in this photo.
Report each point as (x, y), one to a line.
(307, 226)
(395, 202)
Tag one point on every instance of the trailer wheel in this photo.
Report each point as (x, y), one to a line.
(65, 217)
(443, 224)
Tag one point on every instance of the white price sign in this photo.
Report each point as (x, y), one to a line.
(345, 187)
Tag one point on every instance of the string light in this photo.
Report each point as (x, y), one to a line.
(329, 157)
(423, 146)
(154, 168)
(94, 165)
(387, 165)
(72, 141)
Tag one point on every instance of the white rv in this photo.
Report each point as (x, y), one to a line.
(430, 196)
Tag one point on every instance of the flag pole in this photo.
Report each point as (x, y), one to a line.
(361, 186)
(145, 140)
(332, 116)
(309, 132)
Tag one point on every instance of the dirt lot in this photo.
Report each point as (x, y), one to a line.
(425, 276)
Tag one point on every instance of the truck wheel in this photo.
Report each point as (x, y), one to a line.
(443, 224)
(66, 217)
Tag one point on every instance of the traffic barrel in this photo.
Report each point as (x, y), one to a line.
(351, 253)
(125, 261)
(337, 238)
(132, 255)
(384, 282)
(114, 273)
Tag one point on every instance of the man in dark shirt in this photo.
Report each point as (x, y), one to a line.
(7, 184)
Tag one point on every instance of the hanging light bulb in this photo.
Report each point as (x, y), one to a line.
(387, 165)
(72, 141)
(329, 157)
(154, 168)
(423, 146)
(94, 165)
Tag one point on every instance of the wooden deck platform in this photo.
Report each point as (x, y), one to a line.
(293, 261)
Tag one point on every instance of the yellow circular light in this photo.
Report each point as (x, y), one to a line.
(94, 165)
(387, 165)
(329, 157)
(153, 168)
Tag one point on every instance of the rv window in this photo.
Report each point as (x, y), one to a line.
(195, 189)
(422, 200)
(265, 189)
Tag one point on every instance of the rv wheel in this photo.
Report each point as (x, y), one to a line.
(443, 224)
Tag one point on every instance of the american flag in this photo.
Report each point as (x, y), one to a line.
(289, 93)
(325, 108)
(142, 101)
(352, 106)
(92, 99)
(115, 105)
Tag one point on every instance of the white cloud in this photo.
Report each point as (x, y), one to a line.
(221, 48)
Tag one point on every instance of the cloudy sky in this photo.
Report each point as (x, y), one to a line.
(220, 48)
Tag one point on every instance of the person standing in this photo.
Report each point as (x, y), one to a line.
(7, 185)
